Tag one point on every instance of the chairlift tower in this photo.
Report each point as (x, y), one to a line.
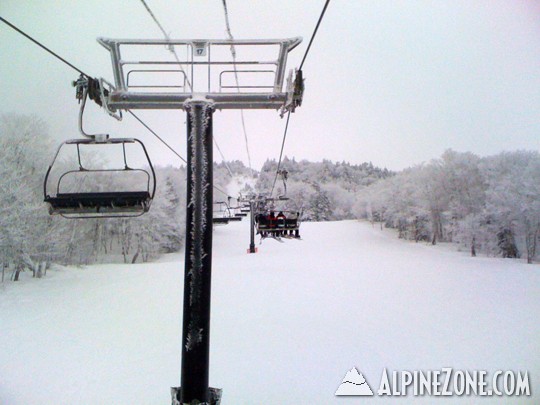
(209, 75)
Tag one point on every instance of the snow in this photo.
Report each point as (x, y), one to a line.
(287, 322)
(238, 184)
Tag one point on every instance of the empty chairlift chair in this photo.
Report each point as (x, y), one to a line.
(220, 213)
(231, 210)
(92, 179)
(234, 216)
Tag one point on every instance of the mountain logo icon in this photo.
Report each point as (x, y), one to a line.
(354, 384)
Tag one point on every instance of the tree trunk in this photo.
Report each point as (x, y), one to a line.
(135, 256)
(104, 245)
(71, 245)
(125, 239)
(96, 240)
(507, 243)
(16, 273)
(531, 241)
(38, 270)
(436, 227)
(124, 254)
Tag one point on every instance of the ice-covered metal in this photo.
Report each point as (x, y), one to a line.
(146, 76)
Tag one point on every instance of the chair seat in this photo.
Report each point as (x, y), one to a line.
(99, 201)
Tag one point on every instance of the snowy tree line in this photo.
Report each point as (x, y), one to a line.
(489, 205)
(323, 191)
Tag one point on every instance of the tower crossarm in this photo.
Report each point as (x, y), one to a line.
(147, 76)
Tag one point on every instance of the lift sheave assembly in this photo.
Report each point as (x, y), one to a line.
(251, 77)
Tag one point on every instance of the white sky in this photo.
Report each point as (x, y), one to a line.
(392, 82)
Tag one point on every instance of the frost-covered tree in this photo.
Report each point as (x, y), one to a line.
(320, 208)
(513, 201)
(24, 151)
(341, 201)
(466, 188)
(485, 204)
(340, 181)
(170, 209)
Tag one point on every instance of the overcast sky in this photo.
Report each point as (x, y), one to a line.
(391, 82)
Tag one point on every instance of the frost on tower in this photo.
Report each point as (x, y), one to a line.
(199, 76)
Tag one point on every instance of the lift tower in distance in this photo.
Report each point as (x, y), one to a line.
(209, 75)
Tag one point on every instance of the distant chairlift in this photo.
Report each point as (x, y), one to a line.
(277, 223)
(274, 223)
(235, 216)
(222, 213)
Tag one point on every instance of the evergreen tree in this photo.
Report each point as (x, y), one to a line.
(319, 205)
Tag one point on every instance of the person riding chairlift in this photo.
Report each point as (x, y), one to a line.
(272, 220)
(293, 223)
(297, 232)
(281, 221)
(261, 219)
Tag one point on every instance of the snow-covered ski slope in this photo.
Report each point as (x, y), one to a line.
(287, 323)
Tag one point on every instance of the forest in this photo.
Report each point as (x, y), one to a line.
(487, 205)
(484, 204)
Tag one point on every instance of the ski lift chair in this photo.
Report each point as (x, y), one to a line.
(232, 210)
(221, 215)
(292, 223)
(72, 197)
(234, 216)
(276, 227)
(262, 224)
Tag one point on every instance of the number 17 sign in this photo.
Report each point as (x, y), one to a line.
(199, 48)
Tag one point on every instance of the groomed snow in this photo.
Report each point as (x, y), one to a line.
(287, 322)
